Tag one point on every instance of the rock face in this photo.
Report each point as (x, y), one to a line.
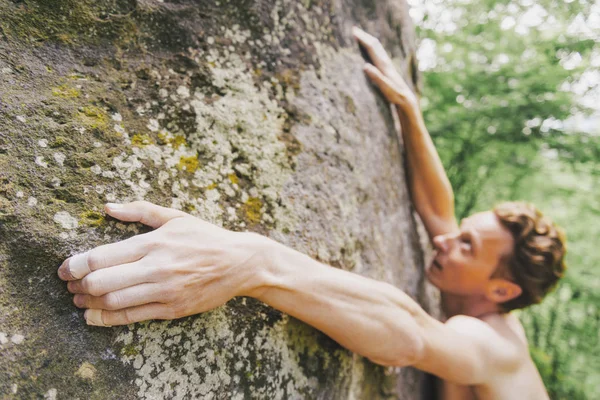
(254, 115)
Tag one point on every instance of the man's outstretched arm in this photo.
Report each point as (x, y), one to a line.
(188, 266)
(430, 188)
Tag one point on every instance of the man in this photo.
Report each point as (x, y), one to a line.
(492, 263)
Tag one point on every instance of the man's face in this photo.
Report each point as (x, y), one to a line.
(467, 258)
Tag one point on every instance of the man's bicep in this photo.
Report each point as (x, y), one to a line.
(463, 351)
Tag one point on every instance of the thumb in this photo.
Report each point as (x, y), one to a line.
(143, 211)
(387, 86)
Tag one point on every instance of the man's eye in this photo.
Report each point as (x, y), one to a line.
(466, 243)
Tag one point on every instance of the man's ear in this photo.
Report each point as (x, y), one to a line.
(502, 290)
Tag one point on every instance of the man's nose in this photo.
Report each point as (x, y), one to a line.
(442, 242)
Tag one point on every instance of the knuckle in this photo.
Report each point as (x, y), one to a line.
(95, 260)
(92, 285)
(158, 272)
(127, 317)
(112, 301)
(148, 242)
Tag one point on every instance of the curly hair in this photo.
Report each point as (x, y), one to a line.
(538, 258)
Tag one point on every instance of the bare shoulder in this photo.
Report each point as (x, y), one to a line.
(501, 335)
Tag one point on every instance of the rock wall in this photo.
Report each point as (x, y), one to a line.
(254, 115)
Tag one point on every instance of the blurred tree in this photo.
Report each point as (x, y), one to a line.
(497, 86)
(501, 81)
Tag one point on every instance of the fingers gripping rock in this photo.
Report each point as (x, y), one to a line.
(75, 267)
(94, 317)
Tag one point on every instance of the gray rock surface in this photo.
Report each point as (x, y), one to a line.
(254, 115)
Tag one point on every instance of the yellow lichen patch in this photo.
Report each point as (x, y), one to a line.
(176, 141)
(86, 371)
(141, 140)
(188, 164)
(92, 218)
(233, 179)
(94, 117)
(211, 186)
(65, 92)
(252, 209)
(189, 208)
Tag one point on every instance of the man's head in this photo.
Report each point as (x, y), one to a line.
(512, 255)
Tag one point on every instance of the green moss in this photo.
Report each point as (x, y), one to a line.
(188, 164)
(66, 92)
(252, 209)
(65, 21)
(141, 140)
(130, 350)
(92, 218)
(59, 141)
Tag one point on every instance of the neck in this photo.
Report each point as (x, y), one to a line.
(475, 306)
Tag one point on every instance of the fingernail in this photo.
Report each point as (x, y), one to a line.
(113, 206)
(78, 300)
(64, 271)
(61, 272)
(85, 314)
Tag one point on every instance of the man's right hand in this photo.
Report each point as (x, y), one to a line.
(383, 73)
(430, 188)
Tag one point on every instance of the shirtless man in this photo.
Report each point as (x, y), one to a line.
(492, 263)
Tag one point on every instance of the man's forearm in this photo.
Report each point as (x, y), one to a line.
(371, 318)
(430, 188)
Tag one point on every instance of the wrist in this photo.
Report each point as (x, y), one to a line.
(409, 114)
(257, 270)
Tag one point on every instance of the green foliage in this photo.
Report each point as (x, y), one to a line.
(493, 95)
(495, 98)
(563, 329)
